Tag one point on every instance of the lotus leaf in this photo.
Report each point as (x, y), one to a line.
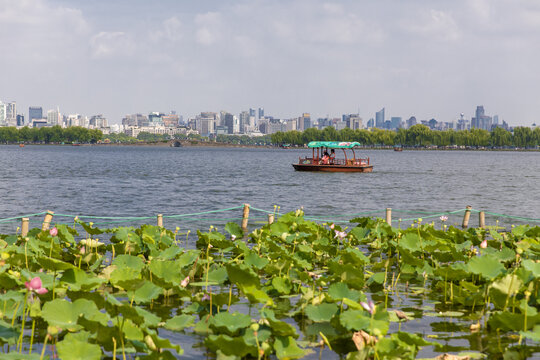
(339, 291)
(168, 271)
(146, 293)
(286, 348)
(54, 264)
(131, 331)
(77, 280)
(256, 295)
(242, 275)
(234, 229)
(75, 347)
(252, 259)
(362, 320)
(230, 345)
(508, 321)
(218, 275)
(230, 323)
(180, 322)
(135, 263)
(7, 333)
(321, 313)
(532, 266)
(485, 266)
(282, 285)
(169, 253)
(279, 327)
(534, 335)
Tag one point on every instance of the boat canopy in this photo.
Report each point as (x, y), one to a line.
(334, 144)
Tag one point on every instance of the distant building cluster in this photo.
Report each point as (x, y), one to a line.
(37, 118)
(252, 122)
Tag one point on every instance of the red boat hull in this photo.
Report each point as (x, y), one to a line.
(333, 168)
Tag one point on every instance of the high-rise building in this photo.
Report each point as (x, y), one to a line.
(481, 121)
(206, 123)
(35, 112)
(304, 122)
(252, 112)
(352, 121)
(3, 109)
(98, 122)
(54, 117)
(11, 111)
(396, 122)
(171, 120)
(228, 121)
(411, 121)
(261, 113)
(244, 121)
(20, 120)
(379, 119)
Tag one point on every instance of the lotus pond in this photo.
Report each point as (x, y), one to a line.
(292, 289)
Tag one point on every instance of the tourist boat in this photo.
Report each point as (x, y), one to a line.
(21, 145)
(398, 148)
(317, 162)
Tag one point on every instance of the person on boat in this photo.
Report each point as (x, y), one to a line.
(332, 156)
(325, 158)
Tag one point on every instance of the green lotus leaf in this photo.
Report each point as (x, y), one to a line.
(129, 261)
(256, 295)
(66, 233)
(508, 321)
(169, 271)
(187, 258)
(234, 229)
(361, 320)
(218, 276)
(509, 284)
(242, 275)
(377, 278)
(131, 331)
(532, 266)
(410, 241)
(340, 291)
(485, 266)
(145, 293)
(75, 348)
(8, 334)
(230, 345)
(180, 322)
(533, 335)
(169, 253)
(282, 285)
(286, 348)
(53, 264)
(321, 313)
(162, 343)
(61, 313)
(278, 327)
(90, 229)
(252, 259)
(230, 323)
(80, 280)
(126, 278)
(354, 256)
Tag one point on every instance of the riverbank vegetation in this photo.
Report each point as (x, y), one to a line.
(287, 290)
(416, 136)
(48, 135)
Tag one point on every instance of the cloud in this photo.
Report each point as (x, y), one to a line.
(109, 44)
(209, 28)
(171, 31)
(433, 24)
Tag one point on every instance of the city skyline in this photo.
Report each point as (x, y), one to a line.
(430, 60)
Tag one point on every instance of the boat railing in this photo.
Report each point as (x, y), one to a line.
(349, 162)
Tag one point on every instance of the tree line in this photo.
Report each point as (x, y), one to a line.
(49, 135)
(417, 135)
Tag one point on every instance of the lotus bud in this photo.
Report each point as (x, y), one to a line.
(483, 244)
(53, 330)
(254, 327)
(185, 282)
(233, 237)
(53, 231)
(150, 343)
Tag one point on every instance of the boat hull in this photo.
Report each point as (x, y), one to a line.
(333, 168)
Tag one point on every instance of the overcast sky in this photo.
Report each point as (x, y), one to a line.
(427, 58)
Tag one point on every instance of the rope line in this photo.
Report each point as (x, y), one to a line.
(277, 211)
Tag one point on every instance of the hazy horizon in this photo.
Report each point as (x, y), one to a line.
(429, 59)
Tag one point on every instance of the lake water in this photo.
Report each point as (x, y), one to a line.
(145, 181)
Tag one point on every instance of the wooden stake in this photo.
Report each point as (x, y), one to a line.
(24, 226)
(270, 218)
(245, 217)
(466, 217)
(160, 220)
(482, 219)
(389, 216)
(47, 220)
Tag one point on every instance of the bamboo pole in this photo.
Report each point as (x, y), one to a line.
(245, 217)
(466, 217)
(482, 219)
(24, 226)
(160, 220)
(270, 219)
(389, 216)
(47, 220)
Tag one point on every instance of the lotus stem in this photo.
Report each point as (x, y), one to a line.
(32, 335)
(230, 298)
(44, 346)
(20, 341)
(15, 313)
(114, 347)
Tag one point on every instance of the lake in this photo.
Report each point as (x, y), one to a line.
(145, 181)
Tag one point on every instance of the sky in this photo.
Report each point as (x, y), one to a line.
(423, 58)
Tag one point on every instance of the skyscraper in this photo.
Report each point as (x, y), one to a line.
(261, 113)
(379, 119)
(34, 112)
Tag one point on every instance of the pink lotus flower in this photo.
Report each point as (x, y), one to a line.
(35, 285)
(369, 306)
(340, 234)
(185, 282)
(53, 231)
(332, 226)
(443, 218)
(483, 244)
(233, 237)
